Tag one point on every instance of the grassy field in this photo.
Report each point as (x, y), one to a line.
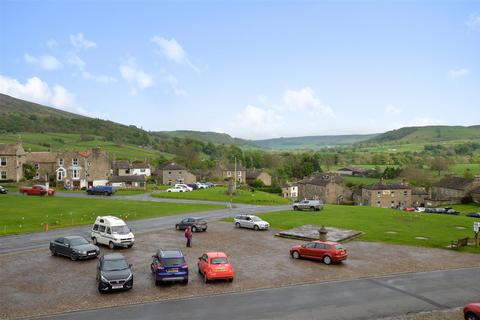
(219, 194)
(378, 224)
(460, 168)
(29, 214)
(65, 141)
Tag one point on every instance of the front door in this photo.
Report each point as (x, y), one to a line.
(309, 250)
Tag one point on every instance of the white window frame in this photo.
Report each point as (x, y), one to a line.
(239, 173)
(75, 162)
(75, 174)
(229, 174)
(60, 175)
(37, 166)
(61, 162)
(3, 175)
(37, 175)
(3, 161)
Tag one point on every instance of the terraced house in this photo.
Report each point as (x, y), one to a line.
(387, 195)
(12, 159)
(324, 186)
(173, 173)
(452, 189)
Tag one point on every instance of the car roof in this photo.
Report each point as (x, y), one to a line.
(216, 254)
(170, 253)
(327, 242)
(73, 237)
(113, 256)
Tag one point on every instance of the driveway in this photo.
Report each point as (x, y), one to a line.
(260, 259)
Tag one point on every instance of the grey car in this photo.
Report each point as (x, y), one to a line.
(114, 273)
(74, 247)
(250, 221)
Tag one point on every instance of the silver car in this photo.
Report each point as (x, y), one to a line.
(251, 221)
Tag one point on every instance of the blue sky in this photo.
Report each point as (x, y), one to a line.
(253, 69)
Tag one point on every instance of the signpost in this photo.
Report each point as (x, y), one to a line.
(476, 229)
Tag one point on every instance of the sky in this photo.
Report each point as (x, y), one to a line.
(252, 69)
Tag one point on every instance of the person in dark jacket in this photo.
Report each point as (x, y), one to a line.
(188, 235)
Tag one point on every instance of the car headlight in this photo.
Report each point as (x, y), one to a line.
(130, 276)
(103, 278)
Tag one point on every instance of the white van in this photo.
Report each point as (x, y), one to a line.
(113, 232)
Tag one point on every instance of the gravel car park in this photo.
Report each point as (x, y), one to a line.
(260, 261)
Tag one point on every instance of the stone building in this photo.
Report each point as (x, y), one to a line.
(383, 195)
(256, 174)
(12, 159)
(290, 190)
(173, 173)
(44, 164)
(228, 171)
(419, 197)
(452, 190)
(476, 195)
(125, 168)
(324, 186)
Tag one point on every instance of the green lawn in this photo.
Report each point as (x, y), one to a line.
(219, 194)
(376, 223)
(459, 168)
(20, 214)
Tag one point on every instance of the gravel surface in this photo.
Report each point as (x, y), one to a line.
(450, 314)
(34, 283)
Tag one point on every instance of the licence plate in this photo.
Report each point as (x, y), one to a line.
(117, 287)
(91, 254)
(220, 269)
(173, 270)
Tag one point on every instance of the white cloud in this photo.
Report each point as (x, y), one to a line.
(253, 122)
(458, 73)
(136, 77)
(36, 90)
(51, 44)
(80, 42)
(474, 21)
(81, 65)
(46, 62)
(303, 100)
(172, 50)
(390, 109)
(174, 85)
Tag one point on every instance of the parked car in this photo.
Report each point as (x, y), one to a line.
(327, 251)
(3, 190)
(215, 266)
(473, 214)
(37, 190)
(409, 209)
(420, 209)
(197, 224)
(193, 186)
(74, 247)
(114, 273)
(472, 311)
(183, 185)
(453, 211)
(201, 185)
(101, 190)
(250, 221)
(209, 184)
(112, 231)
(169, 265)
(315, 205)
(177, 189)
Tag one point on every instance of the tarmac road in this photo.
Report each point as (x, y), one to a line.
(369, 298)
(42, 239)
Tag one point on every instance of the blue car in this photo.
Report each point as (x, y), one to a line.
(102, 190)
(169, 266)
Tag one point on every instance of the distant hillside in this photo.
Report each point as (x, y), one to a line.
(206, 136)
(429, 134)
(311, 142)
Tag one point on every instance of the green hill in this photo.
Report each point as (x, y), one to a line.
(207, 136)
(429, 134)
(311, 142)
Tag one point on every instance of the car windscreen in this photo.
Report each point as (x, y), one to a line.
(77, 242)
(221, 260)
(172, 262)
(120, 230)
(256, 219)
(115, 265)
(339, 247)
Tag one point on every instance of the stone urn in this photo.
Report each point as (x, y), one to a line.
(323, 233)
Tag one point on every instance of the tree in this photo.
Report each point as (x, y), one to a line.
(28, 171)
(439, 164)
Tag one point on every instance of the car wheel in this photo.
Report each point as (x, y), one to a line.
(199, 271)
(295, 208)
(237, 225)
(230, 280)
(312, 208)
(295, 255)
(471, 316)
(111, 245)
(54, 253)
(255, 227)
(130, 245)
(158, 282)
(185, 281)
(205, 278)
(327, 260)
(74, 257)
(194, 229)
(105, 193)
(94, 240)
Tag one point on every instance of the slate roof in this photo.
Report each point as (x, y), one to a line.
(122, 164)
(254, 173)
(419, 191)
(456, 183)
(174, 166)
(133, 178)
(10, 149)
(140, 165)
(321, 179)
(387, 186)
(42, 157)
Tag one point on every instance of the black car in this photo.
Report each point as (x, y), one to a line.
(194, 186)
(3, 190)
(196, 224)
(169, 265)
(473, 214)
(114, 273)
(74, 247)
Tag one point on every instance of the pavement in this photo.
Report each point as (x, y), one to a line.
(15, 243)
(368, 298)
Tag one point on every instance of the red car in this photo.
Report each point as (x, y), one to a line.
(327, 251)
(472, 311)
(37, 190)
(215, 266)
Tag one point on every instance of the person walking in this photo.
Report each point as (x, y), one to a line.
(188, 235)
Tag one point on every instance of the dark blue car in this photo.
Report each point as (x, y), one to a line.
(102, 190)
(169, 265)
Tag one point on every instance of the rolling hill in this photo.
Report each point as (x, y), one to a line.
(429, 134)
(208, 136)
(312, 142)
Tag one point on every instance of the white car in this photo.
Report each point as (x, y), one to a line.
(201, 185)
(250, 221)
(184, 186)
(420, 209)
(112, 231)
(177, 189)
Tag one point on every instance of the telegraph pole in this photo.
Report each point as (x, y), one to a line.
(235, 176)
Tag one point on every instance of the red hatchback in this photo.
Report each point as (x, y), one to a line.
(215, 266)
(327, 251)
(472, 311)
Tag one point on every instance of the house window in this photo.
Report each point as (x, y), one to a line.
(3, 162)
(392, 194)
(127, 171)
(239, 173)
(60, 162)
(378, 204)
(3, 175)
(37, 166)
(405, 193)
(75, 174)
(60, 175)
(37, 175)
(169, 172)
(179, 172)
(75, 162)
(229, 174)
(142, 170)
(379, 194)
